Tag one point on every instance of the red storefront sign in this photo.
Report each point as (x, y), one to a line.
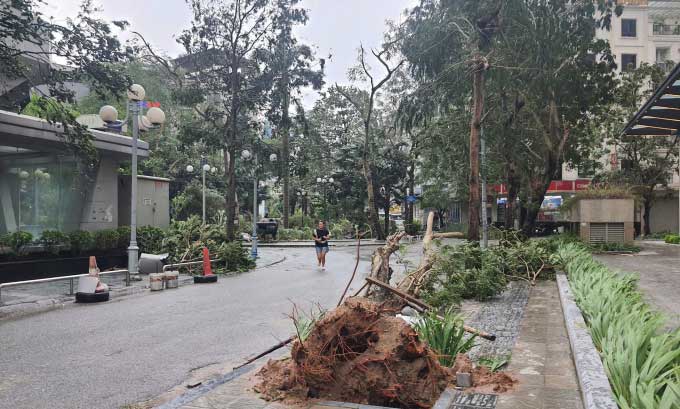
(555, 186)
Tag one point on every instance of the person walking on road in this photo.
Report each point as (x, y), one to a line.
(321, 236)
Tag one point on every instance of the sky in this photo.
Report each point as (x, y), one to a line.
(335, 27)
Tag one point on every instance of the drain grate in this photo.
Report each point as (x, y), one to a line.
(473, 401)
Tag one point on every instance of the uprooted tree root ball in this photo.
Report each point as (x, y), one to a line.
(360, 352)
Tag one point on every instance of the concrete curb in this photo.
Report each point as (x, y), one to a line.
(306, 243)
(16, 311)
(592, 378)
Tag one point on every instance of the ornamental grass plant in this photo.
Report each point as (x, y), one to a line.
(641, 360)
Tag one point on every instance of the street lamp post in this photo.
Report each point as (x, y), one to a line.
(324, 182)
(155, 116)
(205, 167)
(246, 155)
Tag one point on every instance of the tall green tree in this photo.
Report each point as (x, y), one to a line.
(293, 66)
(227, 60)
(364, 103)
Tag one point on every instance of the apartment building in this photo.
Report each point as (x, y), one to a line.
(648, 31)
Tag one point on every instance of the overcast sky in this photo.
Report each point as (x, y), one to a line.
(335, 27)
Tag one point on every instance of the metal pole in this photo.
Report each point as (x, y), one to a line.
(133, 250)
(253, 251)
(485, 223)
(203, 170)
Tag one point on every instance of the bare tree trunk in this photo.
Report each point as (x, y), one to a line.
(380, 267)
(372, 209)
(411, 187)
(475, 129)
(647, 204)
(513, 187)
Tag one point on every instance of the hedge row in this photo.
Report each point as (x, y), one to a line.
(641, 359)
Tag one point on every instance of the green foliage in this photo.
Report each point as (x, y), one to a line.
(672, 239)
(614, 247)
(445, 336)
(494, 363)
(18, 239)
(293, 234)
(598, 192)
(150, 239)
(106, 239)
(642, 361)
(236, 257)
(464, 271)
(123, 237)
(413, 228)
(79, 241)
(52, 239)
(468, 271)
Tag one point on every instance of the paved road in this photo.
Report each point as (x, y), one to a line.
(121, 352)
(658, 266)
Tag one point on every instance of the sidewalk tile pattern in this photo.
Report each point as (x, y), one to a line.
(541, 359)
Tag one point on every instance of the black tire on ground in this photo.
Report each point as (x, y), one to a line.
(205, 279)
(92, 297)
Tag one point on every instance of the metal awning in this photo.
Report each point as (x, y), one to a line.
(660, 115)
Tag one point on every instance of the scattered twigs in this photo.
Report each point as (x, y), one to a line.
(356, 265)
(421, 306)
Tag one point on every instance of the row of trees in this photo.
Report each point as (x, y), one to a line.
(414, 110)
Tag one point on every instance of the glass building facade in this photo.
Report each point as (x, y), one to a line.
(40, 191)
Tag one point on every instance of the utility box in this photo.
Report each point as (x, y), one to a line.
(153, 201)
(604, 220)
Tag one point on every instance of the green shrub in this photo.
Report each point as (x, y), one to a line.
(4, 239)
(18, 239)
(236, 257)
(445, 336)
(52, 239)
(79, 241)
(150, 239)
(123, 237)
(293, 234)
(106, 239)
(642, 362)
(413, 228)
(672, 239)
(462, 272)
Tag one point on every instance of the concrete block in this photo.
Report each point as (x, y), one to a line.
(463, 379)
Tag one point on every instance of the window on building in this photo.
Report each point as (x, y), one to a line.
(663, 54)
(628, 62)
(455, 213)
(628, 27)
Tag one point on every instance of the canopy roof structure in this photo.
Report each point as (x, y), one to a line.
(660, 115)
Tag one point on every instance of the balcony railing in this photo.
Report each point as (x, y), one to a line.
(665, 29)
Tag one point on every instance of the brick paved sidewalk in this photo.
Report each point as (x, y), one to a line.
(541, 359)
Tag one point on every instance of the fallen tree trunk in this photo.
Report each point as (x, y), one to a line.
(380, 267)
(413, 281)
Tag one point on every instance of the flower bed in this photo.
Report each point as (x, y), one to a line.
(641, 361)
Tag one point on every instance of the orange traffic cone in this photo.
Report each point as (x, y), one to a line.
(207, 268)
(208, 276)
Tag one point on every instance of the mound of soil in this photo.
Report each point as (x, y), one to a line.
(359, 352)
(483, 380)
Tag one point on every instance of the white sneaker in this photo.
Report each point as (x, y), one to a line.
(323, 268)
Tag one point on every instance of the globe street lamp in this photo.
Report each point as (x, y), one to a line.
(154, 117)
(246, 155)
(205, 167)
(325, 181)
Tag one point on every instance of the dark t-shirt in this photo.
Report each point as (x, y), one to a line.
(319, 233)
